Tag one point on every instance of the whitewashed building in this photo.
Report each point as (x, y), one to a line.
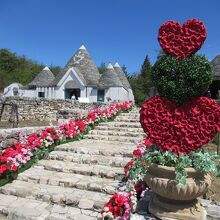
(79, 79)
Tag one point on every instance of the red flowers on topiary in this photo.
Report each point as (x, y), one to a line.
(182, 41)
(180, 129)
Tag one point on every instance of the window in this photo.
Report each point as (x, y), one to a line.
(41, 94)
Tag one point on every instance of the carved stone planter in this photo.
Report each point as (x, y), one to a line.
(172, 202)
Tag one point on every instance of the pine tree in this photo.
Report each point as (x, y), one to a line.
(102, 68)
(146, 75)
(124, 69)
(136, 83)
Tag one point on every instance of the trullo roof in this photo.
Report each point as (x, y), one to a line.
(110, 78)
(43, 79)
(122, 76)
(83, 64)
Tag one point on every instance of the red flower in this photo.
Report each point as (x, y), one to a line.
(116, 205)
(128, 166)
(120, 200)
(33, 140)
(3, 168)
(182, 41)
(137, 153)
(180, 129)
(14, 168)
(3, 159)
(138, 188)
(147, 142)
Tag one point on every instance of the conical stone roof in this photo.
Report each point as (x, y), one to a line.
(216, 67)
(83, 62)
(110, 78)
(43, 79)
(122, 76)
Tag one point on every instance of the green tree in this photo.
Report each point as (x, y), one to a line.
(124, 68)
(55, 69)
(14, 68)
(146, 75)
(102, 68)
(161, 53)
(141, 81)
(136, 83)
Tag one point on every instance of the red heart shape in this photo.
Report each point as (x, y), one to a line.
(182, 41)
(180, 129)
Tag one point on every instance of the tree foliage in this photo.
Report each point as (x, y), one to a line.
(102, 68)
(146, 75)
(180, 80)
(141, 82)
(136, 84)
(14, 68)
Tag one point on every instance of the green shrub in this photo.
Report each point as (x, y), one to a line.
(180, 80)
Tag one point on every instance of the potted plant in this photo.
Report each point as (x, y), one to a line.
(178, 123)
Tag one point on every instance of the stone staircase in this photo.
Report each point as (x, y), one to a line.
(77, 178)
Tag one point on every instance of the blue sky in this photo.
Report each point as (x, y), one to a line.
(50, 31)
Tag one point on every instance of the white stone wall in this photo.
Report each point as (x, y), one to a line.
(116, 94)
(130, 95)
(92, 94)
(28, 93)
(8, 91)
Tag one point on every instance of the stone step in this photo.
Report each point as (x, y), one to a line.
(94, 147)
(116, 161)
(121, 124)
(81, 199)
(115, 173)
(123, 129)
(123, 139)
(16, 208)
(125, 119)
(90, 183)
(117, 133)
(132, 114)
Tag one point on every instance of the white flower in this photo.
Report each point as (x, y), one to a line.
(17, 164)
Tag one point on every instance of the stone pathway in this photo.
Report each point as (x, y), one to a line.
(77, 178)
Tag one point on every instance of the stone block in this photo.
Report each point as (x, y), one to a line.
(86, 204)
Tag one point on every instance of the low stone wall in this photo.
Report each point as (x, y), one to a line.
(10, 136)
(41, 109)
(44, 109)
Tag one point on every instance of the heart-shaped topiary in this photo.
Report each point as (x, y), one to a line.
(182, 41)
(180, 129)
(180, 80)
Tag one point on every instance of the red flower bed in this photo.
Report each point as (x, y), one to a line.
(14, 157)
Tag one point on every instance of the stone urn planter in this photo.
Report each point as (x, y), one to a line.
(172, 202)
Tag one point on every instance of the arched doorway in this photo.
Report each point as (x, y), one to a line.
(72, 90)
